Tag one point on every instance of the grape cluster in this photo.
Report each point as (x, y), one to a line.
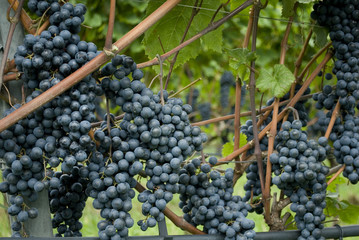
(301, 176)
(207, 199)
(48, 58)
(111, 172)
(340, 18)
(67, 200)
(160, 133)
(193, 98)
(22, 149)
(226, 82)
(57, 132)
(41, 7)
(252, 187)
(346, 150)
(205, 110)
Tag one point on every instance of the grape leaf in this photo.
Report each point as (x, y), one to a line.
(167, 33)
(240, 59)
(235, 4)
(229, 146)
(321, 36)
(278, 82)
(333, 186)
(306, 1)
(288, 8)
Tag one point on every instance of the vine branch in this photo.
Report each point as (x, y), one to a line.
(14, 20)
(246, 114)
(208, 29)
(252, 90)
(111, 23)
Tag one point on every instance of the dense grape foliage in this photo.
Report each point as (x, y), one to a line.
(207, 199)
(301, 176)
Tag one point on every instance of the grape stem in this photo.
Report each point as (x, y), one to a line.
(284, 43)
(332, 120)
(246, 114)
(239, 168)
(252, 90)
(195, 10)
(11, 77)
(25, 19)
(14, 20)
(336, 174)
(185, 88)
(90, 67)
(178, 221)
(208, 29)
(237, 125)
(320, 52)
(271, 137)
(160, 75)
(111, 23)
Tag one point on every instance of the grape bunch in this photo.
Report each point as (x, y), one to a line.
(252, 187)
(302, 176)
(340, 18)
(48, 58)
(206, 198)
(22, 149)
(56, 133)
(205, 110)
(111, 182)
(345, 146)
(226, 82)
(192, 99)
(67, 200)
(160, 132)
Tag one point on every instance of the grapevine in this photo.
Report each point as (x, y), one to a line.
(91, 126)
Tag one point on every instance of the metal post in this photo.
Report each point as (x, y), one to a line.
(41, 226)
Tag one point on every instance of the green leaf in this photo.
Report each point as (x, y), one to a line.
(2, 206)
(167, 33)
(235, 4)
(240, 59)
(333, 186)
(229, 146)
(94, 20)
(306, 1)
(321, 36)
(349, 213)
(277, 83)
(288, 8)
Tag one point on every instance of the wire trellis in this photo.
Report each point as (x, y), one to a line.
(239, 14)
